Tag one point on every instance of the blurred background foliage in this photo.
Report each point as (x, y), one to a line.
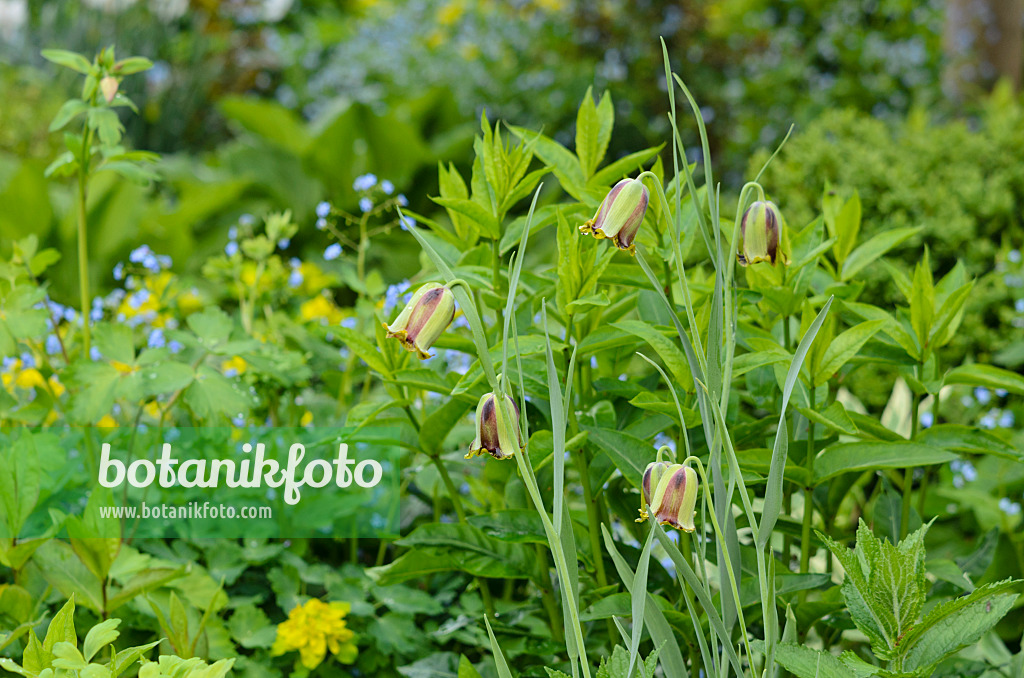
(261, 105)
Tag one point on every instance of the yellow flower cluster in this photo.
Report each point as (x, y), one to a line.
(314, 628)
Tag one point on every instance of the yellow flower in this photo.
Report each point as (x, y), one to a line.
(320, 308)
(121, 367)
(314, 280)
(29, 378)
(107, 421)
(189, 302)
(314, 628)
(450, 13)
(307, 419)
(57, 387)
(152, 409)
(234, 367)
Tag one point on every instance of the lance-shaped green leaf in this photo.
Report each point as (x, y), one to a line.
(957, 623)
(780, 449)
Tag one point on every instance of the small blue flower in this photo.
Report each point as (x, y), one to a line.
(1006, 419)
(239, 419)
(927, 419)
(402, 200)
(982, 394)
(247, 220)
(323, 209)
(321, 224)
(1001, 392)
(1019, 306)
(387, 187)
(1014, 256)
(987, 422)
(966, 401)
(156, 338)
(969, 472)
(174, 346)
(119, 271)
(364, 182)
(139, 253)
(365, 205)
(393, 295)
(406, 223)
(283, 243)
(233, 233)
(295, 278)
(95, 355)
(1010, 508)
(332, 252)
(231, 249)
(52, 344)
(349, 322)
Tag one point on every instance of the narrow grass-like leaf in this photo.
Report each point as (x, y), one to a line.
(780, 450)
(513, 279)
(557, 422)
(704, 597)
(467, 305)
(499, 659)
(640, 584)
(661, 633)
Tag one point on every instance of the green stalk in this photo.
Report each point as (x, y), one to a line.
(908, 474)
(805, 531)
(83, 237)
(548, 599)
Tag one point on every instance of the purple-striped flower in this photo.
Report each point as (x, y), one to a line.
(675, 500)
(620, 214)
(761, 234)
(424, 318)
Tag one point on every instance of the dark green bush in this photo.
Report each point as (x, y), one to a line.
(962, 181)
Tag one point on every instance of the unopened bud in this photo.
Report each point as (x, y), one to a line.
(108, 87)
(761, 234)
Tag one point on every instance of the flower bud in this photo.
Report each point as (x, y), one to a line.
(676, 498)
(761, 234)
(497, 428)
(108, 87)
(621, 214)
(652, 477)
(424, 318)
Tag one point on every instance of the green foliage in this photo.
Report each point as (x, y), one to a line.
(885, 590)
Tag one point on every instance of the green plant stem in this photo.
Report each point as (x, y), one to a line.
(908, 474)
(83, 239)
(548, 598)
(805, 532)
(787, 489)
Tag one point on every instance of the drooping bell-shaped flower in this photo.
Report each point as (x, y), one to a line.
(761, 234)
(620, 214)
(675, 499)
(497, 428)
(652, 477)
(424, 318)
(108, 88)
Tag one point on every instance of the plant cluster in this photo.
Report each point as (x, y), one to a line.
(576, 336)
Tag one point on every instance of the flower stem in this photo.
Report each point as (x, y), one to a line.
(83, 239)
(805, 532)
(908, 474)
